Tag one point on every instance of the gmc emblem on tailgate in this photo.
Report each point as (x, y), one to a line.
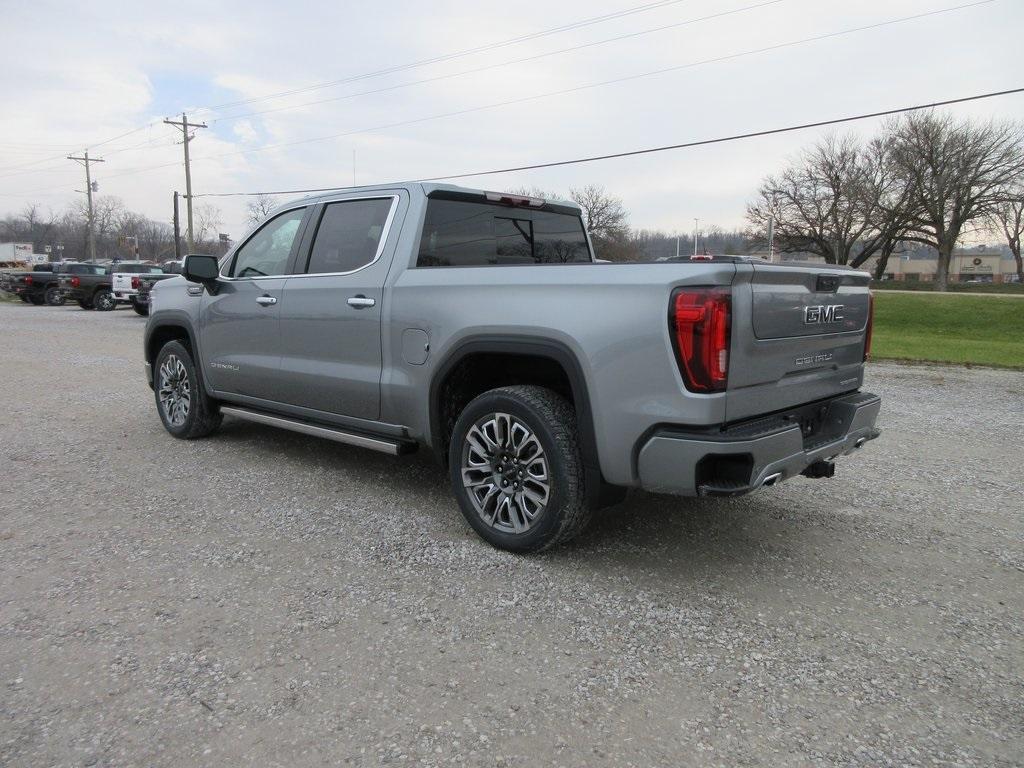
(823, 313)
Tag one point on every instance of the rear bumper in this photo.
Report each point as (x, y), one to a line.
(764, 451)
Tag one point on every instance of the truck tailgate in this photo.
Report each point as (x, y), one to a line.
(122, 282)
(798, 335)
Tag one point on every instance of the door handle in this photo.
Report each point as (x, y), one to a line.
(266, 301)
(361, 302)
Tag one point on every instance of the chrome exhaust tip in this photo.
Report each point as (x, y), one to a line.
(860, 442)
(771, 480)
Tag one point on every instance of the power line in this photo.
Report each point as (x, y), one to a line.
(602, 83)
(452, 55)
(588, 86)
(665, 148)
(498, 65)
(411, 65)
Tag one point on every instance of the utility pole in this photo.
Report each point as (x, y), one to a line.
(90, 187)
(695, 223)
(771, 238)
(177, 231)
(184, 127)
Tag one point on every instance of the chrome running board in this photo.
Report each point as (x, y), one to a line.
(383, 445)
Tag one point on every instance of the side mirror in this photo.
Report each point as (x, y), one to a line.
(201, 268)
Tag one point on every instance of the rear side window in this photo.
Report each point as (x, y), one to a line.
(463, 234)
(348, 235)
(266, 252)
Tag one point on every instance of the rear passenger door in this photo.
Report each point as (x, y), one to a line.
(331, 308)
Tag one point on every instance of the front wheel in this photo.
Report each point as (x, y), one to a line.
(184, 408)
(516, 468)
(104, 300)
(54, 297)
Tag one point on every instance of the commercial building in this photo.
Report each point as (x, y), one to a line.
(985, 265)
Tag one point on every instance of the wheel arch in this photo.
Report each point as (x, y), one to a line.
(163, 331)
(511, 346)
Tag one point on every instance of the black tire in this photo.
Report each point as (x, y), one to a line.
(37, 299)
(552, 421)
(24, 297)
(53, 297)
(141, 309)
(85, 304)
(203, 414)
(103, 300)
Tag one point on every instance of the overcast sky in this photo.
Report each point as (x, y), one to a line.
(76, 75)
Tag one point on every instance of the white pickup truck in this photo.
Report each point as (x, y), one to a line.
(121, 278)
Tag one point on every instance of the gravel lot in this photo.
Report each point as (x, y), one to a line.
(269, 599)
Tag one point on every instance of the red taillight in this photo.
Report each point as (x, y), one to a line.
(871, 323)
(28, 279)
(136, 282)
(700, 320)
(75, 281)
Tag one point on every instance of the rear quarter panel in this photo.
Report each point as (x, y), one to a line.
(613, 318)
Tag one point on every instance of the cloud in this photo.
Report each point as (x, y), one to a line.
(109, 68)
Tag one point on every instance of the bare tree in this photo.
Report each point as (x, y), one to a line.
(1008, 216)
(824, 203)
(603, 213)
(208, 221)
(886, 206)
(259, 207)
(956, 172)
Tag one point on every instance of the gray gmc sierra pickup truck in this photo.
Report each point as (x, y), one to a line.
(479, 324)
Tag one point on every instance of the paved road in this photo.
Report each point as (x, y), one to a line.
(266, 599)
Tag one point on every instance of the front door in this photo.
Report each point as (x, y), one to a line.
(331, 310)
(240, 331)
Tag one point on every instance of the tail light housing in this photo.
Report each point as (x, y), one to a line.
(700, 322)
(28, 279)
(136, 282)
(75, 281)
(869, 327)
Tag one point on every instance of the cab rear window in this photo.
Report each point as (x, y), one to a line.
(459, 233)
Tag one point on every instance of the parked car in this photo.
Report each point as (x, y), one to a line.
(12, 281)
(479, 325)
(122, 275)
(143, 285)
(42, 284)
(91, 289)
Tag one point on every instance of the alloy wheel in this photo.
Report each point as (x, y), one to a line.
(505, 473)
(175, 391)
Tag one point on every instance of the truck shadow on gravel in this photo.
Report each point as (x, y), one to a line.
(686, 531)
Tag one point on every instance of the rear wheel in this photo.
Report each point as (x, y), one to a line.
(24, 297)
(103, 300)
(184, 407)
(54, 297)
(516, 468)
(37, 299)
(85, 304)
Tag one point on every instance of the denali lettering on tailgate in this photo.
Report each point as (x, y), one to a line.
(823, 313)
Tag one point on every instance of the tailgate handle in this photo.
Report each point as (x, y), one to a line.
(828, 283)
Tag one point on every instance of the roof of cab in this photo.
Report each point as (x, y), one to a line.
(424, 186)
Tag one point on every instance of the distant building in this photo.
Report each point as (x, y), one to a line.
(982, 264)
